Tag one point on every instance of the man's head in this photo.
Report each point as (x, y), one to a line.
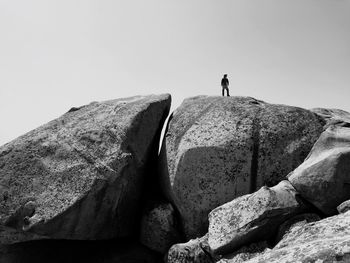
(225, 75)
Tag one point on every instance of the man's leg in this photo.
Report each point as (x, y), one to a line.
(228, 92)
(223, 93)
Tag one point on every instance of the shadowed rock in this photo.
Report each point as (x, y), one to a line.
(81, 176)
(159, 228)
(220, 148)
(245, 253)
(73, 251)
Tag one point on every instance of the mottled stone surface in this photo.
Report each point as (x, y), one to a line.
(251, 217)
(159, 229)
(219, 148)
(194, 251)
(324, 177)
(80, 176)
(295, 221)
(327, 240)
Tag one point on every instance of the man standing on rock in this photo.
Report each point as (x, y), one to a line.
(224, 85)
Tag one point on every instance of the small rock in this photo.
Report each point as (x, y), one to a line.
(344, 207)
(159, 229)
(194, 251)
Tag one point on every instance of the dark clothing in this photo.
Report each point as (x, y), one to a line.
(224, 82)
(224, 85)
(227, 91)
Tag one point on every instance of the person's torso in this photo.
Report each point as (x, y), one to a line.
(224, 82)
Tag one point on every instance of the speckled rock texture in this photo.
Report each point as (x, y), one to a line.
(219, 148)
(159, 229)
(324, 178)
(344, 207)
(194, 251)
(81, 176)
(245, 253)
(252, 217)
(295, 221)
(327, 240)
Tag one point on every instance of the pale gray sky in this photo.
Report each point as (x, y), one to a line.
(55, 54)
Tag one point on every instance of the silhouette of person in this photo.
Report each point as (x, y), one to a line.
(224, 84)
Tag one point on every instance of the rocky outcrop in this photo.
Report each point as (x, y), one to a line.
(194, 251)
(333, 116)
(159, 229)
(81, 176)
(327, 240)
(252, 217)
(324, 178)
(219, 148)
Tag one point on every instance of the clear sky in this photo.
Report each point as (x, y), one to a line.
(56, 54)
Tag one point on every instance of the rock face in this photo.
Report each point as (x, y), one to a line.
(251, 217)
(81, 175)
(324, 178)
(194, 251)
(159, 230)
(219, 148)
(327, 240)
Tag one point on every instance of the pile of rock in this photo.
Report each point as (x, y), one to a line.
(237, 180)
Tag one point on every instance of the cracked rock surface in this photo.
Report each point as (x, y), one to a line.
(80, 176)
(220, 148)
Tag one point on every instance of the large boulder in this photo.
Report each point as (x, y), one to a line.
(252, 217)
(81, 176)
(324, 178)
(327, 240)
(219, 148)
